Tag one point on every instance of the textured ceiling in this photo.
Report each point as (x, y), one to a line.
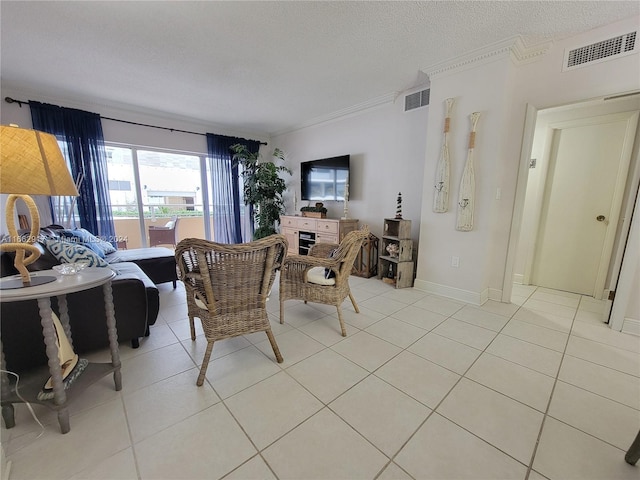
(260, 67)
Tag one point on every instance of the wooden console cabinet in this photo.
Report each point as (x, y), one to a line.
(302, 232)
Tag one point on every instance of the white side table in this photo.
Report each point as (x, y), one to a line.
(31, 384)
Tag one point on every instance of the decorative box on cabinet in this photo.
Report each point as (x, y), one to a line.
(366, 264)
(397, 270)
(302, 232)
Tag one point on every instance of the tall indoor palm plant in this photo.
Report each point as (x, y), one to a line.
(263, 188)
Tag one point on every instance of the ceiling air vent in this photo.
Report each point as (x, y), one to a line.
(601, 51)
(416, 100)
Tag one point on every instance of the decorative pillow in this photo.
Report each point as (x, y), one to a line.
(69, 252)
(90, 240)
(328, 273)
(200, 303)
(79, 237)
(103, 244)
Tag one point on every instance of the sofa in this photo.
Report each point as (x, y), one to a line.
(135, 298)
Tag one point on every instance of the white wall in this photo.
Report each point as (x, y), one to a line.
(483, 89)
(387, 151)
(501, 91)
(633, 308)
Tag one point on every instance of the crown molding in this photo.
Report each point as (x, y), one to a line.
(512, 48)
(522, 54)
(343, 113)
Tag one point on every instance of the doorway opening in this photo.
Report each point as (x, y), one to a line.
(567, 232)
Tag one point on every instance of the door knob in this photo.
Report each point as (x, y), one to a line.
(600, 218)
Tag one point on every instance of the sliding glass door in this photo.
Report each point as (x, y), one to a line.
(152, 187)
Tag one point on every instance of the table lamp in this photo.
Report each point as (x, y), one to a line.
(31, 163)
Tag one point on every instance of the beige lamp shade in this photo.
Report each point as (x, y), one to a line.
(31, 163)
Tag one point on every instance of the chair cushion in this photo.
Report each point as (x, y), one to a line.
(316, 275)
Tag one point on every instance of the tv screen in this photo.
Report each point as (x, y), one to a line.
(324, 179)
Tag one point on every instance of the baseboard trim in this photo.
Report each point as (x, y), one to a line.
(495, 294)
(518, 278)
(6, 465)
(631, 326)
(466, 296)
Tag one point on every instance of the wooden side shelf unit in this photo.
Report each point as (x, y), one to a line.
(398, 269)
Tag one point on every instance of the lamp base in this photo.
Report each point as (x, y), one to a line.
(13, 283)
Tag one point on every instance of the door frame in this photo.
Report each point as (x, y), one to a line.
(531, 114)
(613, 216)
(630, 262)
(530, 119)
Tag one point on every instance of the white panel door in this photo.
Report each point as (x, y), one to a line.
(588, 167)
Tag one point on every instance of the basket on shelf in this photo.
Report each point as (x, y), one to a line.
(317, 211)
(314, 214)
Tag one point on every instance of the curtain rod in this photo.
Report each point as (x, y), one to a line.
(21, 102)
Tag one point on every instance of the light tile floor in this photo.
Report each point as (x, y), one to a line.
(422, 387)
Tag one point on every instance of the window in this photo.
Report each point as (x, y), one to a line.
(149, 187)
(119, 185)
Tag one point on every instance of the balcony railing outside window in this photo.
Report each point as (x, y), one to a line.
(150, 187)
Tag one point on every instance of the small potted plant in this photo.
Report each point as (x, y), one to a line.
(317, 211)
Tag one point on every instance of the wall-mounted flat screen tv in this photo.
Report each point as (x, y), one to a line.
(325, 178)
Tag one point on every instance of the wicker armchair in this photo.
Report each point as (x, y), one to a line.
(227, 287)
(167, 235)
(303, 276)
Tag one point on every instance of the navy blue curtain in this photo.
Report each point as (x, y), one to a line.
(230, 225)
(82, 133)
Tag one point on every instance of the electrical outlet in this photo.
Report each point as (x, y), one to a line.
(455, 262)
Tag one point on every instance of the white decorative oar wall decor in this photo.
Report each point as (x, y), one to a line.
(466, 196)
(441, 194)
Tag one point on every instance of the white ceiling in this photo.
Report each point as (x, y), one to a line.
(260, 67)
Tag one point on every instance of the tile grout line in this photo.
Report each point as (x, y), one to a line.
(553, 389)
(433, 411)
(326, 405)
(325, 347)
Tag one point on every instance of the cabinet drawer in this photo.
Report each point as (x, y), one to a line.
(307, 224)
(325, 226)
(288, 222)
(322, 237)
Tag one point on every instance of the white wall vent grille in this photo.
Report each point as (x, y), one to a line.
(416, 100)
(601, 51)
